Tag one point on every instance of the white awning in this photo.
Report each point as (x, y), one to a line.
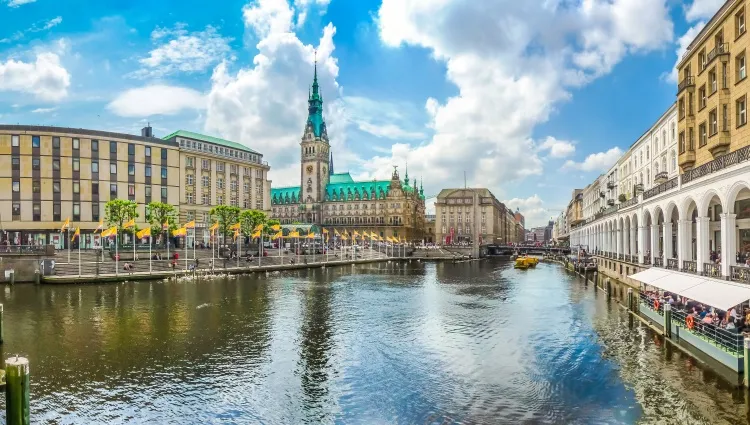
(713, 292)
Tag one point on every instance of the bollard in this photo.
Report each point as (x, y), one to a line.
(17, 391)
(667, 320)
(630, 299)
(746, 361)
(12, 277)
(37, 277)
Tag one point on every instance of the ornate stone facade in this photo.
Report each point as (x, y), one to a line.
(334, 200)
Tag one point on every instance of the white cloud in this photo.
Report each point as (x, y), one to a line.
(511, 67)
(43, 110)
(156, 100)
(557, 148)
(38, 26)
(682, 45)
(265, 106)
(182, 51)
(18, 3)
(384, 119)
(534, 212)
(601, 161)
(45, 78)
(302, 7)
(702, 9)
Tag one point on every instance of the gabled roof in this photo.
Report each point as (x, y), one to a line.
(210, 139)
(285, 195)
(361, 190)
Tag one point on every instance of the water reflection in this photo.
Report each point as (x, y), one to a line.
(466, 343)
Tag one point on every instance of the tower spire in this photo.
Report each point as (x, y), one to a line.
(406, 175)
(330, 165)
(315, 106)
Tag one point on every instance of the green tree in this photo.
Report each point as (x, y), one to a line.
(158, 213)
(118, 212)
(226, 216)
(250, 219)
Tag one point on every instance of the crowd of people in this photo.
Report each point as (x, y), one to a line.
(736, 319)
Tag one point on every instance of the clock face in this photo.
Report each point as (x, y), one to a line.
(309, 169)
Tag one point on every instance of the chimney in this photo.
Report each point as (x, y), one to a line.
(147, 131)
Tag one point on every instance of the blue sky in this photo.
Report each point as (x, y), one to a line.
(520, 95)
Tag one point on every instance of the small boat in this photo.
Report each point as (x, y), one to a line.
(526, 262)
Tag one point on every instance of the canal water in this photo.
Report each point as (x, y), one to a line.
(416, 343)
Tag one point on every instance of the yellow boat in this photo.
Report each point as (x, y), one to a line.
(526, 262)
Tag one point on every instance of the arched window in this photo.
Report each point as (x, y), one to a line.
(663, 139)
(664, 163)
(648, 176)
(674, 160)
(656, 168)
(648, 150)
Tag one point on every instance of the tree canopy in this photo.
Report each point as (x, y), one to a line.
(119, 211)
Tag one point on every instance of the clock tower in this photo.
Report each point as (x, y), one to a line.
(314, 152)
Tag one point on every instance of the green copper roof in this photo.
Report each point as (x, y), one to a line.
(315, 106)
(341, 178)
(354, 190)
(285, 195)
(209, 139)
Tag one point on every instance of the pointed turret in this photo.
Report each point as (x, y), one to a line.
(330, 165)
(406, 176)
(421, 189)
(315, 107)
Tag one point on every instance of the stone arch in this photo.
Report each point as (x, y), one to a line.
(658, 215)
(733, 193)
(669, 210)
(686, 208)
(705, 201)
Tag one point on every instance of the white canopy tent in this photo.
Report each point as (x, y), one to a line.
(714, 292)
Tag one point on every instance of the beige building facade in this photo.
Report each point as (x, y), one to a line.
(49, 174)
(215, 171)
(460, 214)
(712, 90)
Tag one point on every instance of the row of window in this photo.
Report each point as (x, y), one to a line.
(459, 230)
(15, 140)
(711, 127)
(37, 188)
(76, 166)
(219, 150)
(36, 211)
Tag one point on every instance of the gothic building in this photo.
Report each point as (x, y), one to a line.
(334, 200)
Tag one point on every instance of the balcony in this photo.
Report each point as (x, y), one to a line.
(638, 188)
(687, 160)
(611, 202)
(602, 195)
(661, 177)
(610, 185)
(685, 83)
(719, 50)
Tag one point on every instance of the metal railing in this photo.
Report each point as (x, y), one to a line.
(740, 274)
(673, 264)
(649, 302)
(628, 258)
(620, 257)
(23, 249)
(667, 185)
(718, 164)
(658, 262)
(685, 83)
(711, 270)
(646, 260)
(720, 49)
(723, 339)
(690, 266)
(629, 203)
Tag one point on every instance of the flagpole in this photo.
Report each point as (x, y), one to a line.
(186, 258)
(194, 248)
(260, 247)
(117, 256)
(238, 250)
(314, 248)
(149, 253)
(68, 229)
(133, 243)
(79, 253)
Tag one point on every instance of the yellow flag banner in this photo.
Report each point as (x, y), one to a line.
(325, 231)
(66, 224)
(129, 224)
(336, 232)
(179, 232)
(258, 228)
(112, 231)
(214, 227)
(235, 226)
(254, 235)
(143, 233)
(236, 234)
(190, 225)
(276, 227)
(294, 234)
(277, 235)
(76, 234)
(100, 226)
(311, 235)
(356, 233)
(344, 238)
